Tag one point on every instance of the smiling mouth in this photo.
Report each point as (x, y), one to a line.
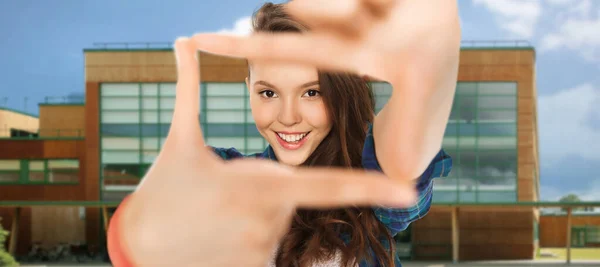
(292, 138)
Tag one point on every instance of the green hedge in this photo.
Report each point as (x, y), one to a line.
(5, 258)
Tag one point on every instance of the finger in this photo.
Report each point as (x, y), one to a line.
(379, 8)
(351, 18)
(337, 16)
(185, 122)
(322, 50)
(326, 188)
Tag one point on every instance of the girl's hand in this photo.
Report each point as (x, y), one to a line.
(379, 38)
(194, 209)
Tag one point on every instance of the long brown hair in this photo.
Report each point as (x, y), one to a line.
(315, 235)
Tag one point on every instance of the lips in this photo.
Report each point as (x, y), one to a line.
(292, 141)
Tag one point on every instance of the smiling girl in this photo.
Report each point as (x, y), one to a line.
(313, 108)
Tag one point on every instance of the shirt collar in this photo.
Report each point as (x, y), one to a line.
(269, 153)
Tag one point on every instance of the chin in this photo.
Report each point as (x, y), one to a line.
(291, 158)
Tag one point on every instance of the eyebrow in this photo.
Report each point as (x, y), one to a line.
(273, 86)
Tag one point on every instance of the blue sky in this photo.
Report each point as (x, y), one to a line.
(42, 42)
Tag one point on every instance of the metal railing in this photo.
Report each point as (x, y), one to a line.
(64, 100)
(167, 45)
(495, 43)
(132, 45)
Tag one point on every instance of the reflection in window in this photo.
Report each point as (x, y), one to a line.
(60, 171)
(121, 171)
(36, 171)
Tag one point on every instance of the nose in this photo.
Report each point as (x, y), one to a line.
(289, 114)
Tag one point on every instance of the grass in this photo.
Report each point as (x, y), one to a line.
(576, 253)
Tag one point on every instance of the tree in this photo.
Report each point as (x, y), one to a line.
(5, 258)
(572, 198)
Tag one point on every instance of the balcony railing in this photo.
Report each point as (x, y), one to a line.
(131, 45)
(64, 100)
(495, 43)
(169, 45)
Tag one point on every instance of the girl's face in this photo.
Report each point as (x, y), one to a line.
(288, 109)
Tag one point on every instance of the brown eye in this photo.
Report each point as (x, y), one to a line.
(268, 94)
(312, 93)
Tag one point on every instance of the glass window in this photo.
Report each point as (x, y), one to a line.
(120, 117)
(504, 102)
(249, 117)
(223, 130)
(36, 171)
(120, 103)
(381, 88)
(9, 177)
(120, 129)
(121, 156)
(10, 170)
(497, 115)
(167, 89)
(167, 103)
(166, 116)
(498, 88)
(150, 103)
(500, 142)
(225, 89)
(216, 103)
(150, 143)
(467, 115)
(497, 129)
(380, 102)
(255, 143)
(466, 128)
(121, 171)
(149, 156)
(500, 163)
(10, 165)
(466, 142)
(451, 129)
(149, 89)
(120, 143)
(224, 116)
(469, 88)
(63, 171)
(466, 102)
(226, 142)
(149, 116)
(119, 89)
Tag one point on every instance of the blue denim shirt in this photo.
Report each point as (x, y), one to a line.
(395, 219)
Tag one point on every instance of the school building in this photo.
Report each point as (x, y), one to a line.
(99, 148)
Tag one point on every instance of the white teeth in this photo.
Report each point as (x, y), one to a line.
(292, 137)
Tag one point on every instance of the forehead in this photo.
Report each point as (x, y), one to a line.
(282, 74)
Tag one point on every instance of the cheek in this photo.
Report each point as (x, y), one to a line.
(264, 114)
(316, 115)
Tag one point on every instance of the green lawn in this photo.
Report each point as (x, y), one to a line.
(576, 253)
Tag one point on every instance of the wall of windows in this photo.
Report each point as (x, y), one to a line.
(42, 171)
(480, 136)
(134, 121)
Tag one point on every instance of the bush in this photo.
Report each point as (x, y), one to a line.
(5, 258)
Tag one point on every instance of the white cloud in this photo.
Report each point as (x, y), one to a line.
(559, 2)
(590, 193)
(518, 17)
(577, 28)
(564, 124)
(242, 26)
